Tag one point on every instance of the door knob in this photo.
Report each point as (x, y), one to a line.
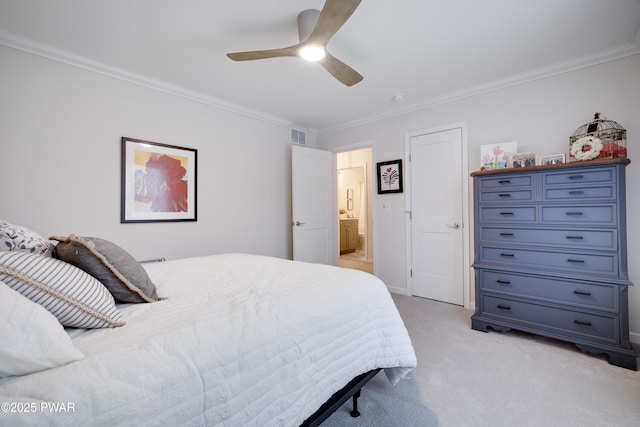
(298, 223)
(454, 225)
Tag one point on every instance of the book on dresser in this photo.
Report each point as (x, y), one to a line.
(551, 254)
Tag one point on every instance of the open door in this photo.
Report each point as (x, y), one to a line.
(314, 218)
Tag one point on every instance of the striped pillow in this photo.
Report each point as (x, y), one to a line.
(74, 297)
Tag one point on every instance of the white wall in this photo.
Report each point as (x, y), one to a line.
(540, 116)
(60, 130)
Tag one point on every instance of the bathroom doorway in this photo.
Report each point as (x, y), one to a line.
(355, 209)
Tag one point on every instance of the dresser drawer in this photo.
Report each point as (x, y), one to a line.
(584, 239)
(578, 177)
(580, 294)
(579, 215)
(506, 196)
(507, 214)
(506, 182)
(605, 192)
(553, 320)
(580, 263)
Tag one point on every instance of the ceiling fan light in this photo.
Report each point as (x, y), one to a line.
(312, 53)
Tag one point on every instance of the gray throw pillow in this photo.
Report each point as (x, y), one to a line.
(114, 267)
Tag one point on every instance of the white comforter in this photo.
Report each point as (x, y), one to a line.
(242, 340)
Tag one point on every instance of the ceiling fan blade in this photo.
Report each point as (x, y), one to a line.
(340, 70)
(332, 16)
(264, 54)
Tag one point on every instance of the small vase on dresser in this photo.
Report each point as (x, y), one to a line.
(551, 254)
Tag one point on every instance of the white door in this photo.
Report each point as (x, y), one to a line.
(436, 197)
(313, 201)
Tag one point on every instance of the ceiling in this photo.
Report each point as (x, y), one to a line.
(430, 51)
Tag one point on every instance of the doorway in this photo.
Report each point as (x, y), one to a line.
(354, 195)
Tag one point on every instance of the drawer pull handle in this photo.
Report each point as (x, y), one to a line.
(506, 307)
(507, 255)
(503, 282)
(588, 294)
(506, 213)
(504, 195)
(504, 181)
(582, 322)
(579, 261)
(576, 192)
(574, 213)
(506, 234)
(575, 237)
(576, 177)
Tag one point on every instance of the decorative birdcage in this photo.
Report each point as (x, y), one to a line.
(606, 135)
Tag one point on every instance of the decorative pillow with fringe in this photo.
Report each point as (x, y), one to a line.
(114, 267)
(74, 297)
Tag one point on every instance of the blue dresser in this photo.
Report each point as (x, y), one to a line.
(551, 254)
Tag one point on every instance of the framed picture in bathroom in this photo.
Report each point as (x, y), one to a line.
(390, 177)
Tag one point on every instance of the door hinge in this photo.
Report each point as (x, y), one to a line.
(409, 213)
(411, 272)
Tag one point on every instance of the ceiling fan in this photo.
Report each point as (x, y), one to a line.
(315, 29)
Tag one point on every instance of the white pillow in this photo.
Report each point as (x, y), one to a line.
(32, 338)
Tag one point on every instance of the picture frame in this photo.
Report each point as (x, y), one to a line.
(552, 159)
(390, 177)
(350, 204)
(522, 160)
(349, 193)
(158, 182)
(497, 156)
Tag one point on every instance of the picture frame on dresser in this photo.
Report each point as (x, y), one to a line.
(551, 254)
(552, 159)
(158, 182)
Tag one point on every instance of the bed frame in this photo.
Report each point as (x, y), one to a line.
(351, 390)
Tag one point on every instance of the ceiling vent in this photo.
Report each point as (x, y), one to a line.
(298, 137)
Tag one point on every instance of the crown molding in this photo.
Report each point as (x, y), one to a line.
(578, 63)
(36, 48)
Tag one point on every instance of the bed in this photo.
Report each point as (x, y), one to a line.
(229, 339)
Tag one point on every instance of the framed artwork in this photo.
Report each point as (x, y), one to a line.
(521, 160)
(158, 182)
(390, 177)
(553, 159)
(497, 156)
(349, 193)
(350, 204)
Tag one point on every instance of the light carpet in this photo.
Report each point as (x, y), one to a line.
(470, 378)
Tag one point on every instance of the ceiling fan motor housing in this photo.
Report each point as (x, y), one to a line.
(307, 20)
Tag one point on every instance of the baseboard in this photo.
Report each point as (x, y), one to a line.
(634, 337)
(395, 290)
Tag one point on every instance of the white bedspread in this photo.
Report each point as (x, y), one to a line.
(242, 340)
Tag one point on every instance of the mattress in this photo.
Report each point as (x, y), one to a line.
(240, 340)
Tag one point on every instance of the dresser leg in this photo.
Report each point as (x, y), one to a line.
(622, 358)
(483, 326)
